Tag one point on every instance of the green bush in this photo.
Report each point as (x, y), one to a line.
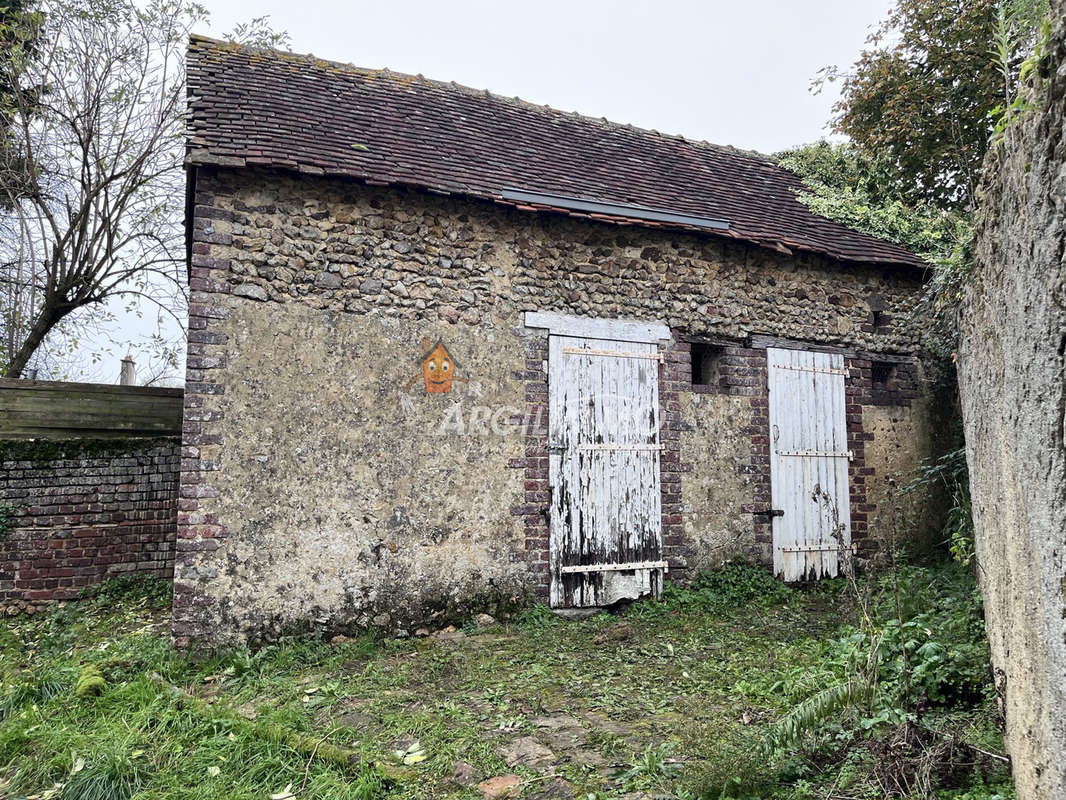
(929, 651)
(734, 584)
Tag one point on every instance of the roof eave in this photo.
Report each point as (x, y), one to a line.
(203, 157)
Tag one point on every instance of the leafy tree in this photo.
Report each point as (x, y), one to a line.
(19, 28)
(846, 184)
(926, 93)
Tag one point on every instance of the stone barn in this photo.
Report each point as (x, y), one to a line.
(450, 348)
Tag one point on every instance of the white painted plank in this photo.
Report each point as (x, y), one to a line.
(613, 330)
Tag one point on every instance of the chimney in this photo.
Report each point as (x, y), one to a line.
(128, 374)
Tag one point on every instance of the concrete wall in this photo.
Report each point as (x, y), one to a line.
(321, 483)
(78, 512)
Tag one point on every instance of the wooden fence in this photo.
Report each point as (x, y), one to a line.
(57, 410)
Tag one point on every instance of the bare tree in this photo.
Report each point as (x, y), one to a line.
(97, 124)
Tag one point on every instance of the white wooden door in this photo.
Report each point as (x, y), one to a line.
(603, 470)
(808, 462)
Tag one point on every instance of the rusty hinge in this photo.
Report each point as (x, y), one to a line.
(826, 370)
(848, 454)
(620, 447)
(769, 512)
(562, 448)
(587, 351)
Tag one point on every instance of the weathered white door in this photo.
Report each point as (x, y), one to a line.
(603, 448)
(808, 462)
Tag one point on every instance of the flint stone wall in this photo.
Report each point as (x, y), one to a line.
(321, 482)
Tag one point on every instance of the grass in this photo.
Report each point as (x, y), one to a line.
(672, 699)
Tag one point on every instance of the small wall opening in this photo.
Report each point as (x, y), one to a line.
(706, 364)
(882, 374)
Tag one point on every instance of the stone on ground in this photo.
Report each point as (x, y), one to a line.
(500, 786)
(558, 789)
(527, 752)
(463, 774)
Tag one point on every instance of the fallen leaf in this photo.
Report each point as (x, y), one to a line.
(414, 754)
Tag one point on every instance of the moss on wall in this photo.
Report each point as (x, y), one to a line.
(43, 450)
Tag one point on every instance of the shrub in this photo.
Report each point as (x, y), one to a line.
(738, 583)
(132, 587)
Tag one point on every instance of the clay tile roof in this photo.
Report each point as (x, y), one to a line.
(262, 107)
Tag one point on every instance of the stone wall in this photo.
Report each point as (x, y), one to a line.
(1012, 384)
(322, 481)
(78, 512)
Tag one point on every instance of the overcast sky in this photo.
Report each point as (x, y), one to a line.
(728, 72)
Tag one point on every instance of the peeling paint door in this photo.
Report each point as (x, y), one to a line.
(603, 471)
(808, 462)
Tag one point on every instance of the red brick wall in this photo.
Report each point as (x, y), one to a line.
(534, 462)
(82, 511)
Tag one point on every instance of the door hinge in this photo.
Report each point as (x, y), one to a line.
(588, 351)
(848, 454)
(769, 512)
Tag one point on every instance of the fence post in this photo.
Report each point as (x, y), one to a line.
(128, 374)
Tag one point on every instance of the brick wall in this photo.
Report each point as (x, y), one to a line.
(81, 511)
(675, 375)
(742, 371)
(534, 463)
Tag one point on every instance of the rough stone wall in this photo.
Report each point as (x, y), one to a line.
(341, 246)
(75, 513)
(899, 436)
(717, 444)
(312, 480)
(1012, 381)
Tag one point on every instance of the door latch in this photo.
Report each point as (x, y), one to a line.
(769, 513)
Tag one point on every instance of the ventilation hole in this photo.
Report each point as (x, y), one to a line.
(882, 373)
(706, 364)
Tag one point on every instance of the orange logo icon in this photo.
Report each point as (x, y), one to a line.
(438, 368)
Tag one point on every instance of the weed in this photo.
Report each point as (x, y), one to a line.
(949, 474)
(535, 616)
(650, 767)
(130, 588)
(735, 584)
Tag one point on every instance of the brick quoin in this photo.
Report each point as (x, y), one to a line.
(534, 463)
(84, 512)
